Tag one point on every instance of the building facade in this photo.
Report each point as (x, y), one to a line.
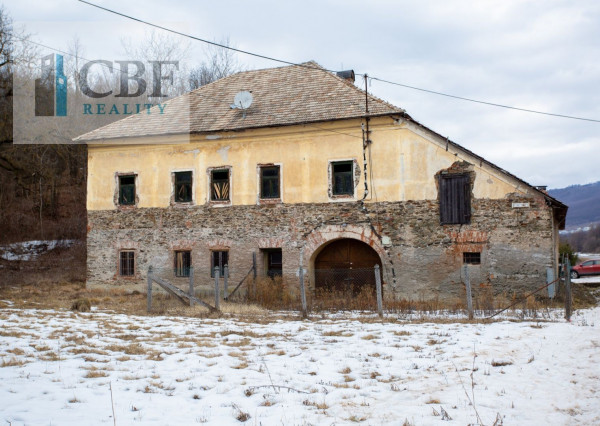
(313, 174)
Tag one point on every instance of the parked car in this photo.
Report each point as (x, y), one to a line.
(589, 267)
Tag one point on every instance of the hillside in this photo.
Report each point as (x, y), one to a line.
(583, 202)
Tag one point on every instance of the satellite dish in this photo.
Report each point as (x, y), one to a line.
(242, 101)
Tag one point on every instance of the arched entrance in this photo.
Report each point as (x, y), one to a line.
(346, 265)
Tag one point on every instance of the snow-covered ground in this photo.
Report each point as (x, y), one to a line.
(30, 250)
(58, 368)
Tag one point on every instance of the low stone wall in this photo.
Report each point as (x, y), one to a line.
(420, 257)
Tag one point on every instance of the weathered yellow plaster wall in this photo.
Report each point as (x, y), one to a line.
(403, 157)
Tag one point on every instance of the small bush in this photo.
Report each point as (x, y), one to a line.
(81, 305)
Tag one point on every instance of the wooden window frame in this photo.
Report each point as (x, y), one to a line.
(177, 184)
(222, 261)
(209, 186)
(120, 187)
(182, 266)
(129, 270)
(262, 199)
(350, 174)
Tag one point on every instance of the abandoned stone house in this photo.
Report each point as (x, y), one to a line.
(313, 172)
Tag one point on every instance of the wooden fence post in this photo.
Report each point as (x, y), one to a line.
(217, 295)
(303, 292)
(379, 293)
(254, 274)
(191, 286)
(149, 291)
(568, 293)
(469, 298)
(225, 276)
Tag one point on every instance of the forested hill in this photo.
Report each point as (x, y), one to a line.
(583, 202)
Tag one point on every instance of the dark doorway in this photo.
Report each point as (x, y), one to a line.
(346, 265)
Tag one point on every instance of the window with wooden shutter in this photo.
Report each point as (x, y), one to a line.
(455, 199)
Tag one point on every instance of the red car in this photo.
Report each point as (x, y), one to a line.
(589, 267)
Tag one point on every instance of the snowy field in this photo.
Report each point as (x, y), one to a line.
(58, 368)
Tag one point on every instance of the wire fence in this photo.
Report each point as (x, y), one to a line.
(335, 289)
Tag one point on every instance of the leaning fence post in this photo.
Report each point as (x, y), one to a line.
(225, 276)
(378, 288)
(191, 286)
(217, 273)
(469, 298)
(149, 292)
(302, 292)
(568, 294)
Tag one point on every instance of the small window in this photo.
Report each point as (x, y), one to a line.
(219, 185)
(472, 258)
(127, 263)
(183, 187)
(455, 199)
(342, 181)
(183, 262)
(274, 260)
(219, 259)
(269, 182)
(127, 190)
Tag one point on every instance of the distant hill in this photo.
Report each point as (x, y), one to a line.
(583, 202)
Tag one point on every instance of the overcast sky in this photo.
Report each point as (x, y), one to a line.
(541, 55)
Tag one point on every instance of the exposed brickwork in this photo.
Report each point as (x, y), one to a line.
(423, 260)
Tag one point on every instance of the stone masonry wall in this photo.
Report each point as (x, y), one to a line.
(421, 259)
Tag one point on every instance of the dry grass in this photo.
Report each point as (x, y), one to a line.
(12, 362)
(94, 372)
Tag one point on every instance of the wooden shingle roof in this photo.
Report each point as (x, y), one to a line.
(283, 96)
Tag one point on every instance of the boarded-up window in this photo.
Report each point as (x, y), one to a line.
(269, 182)
(183, 187)
(126, 263)
(342, 179)
(127, 190)
(219, 185)
(219, 259)
(455, 199)
(183, 262)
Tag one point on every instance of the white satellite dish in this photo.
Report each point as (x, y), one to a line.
(242, 101)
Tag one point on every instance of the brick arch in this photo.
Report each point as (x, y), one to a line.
(320, 237)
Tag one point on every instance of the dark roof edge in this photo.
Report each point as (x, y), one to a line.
(240, 129)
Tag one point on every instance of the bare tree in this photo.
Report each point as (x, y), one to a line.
(220, 62)
(161, 47)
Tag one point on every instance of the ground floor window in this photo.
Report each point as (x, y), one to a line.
(127, 263)
(273, 262)
(183, 262)
(219, 259)
(472, 258)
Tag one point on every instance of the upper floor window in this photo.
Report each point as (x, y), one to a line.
(219, 185)
(269, 182)
(127, 190)
(183, 187)
(455, 199)
(342, 178)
